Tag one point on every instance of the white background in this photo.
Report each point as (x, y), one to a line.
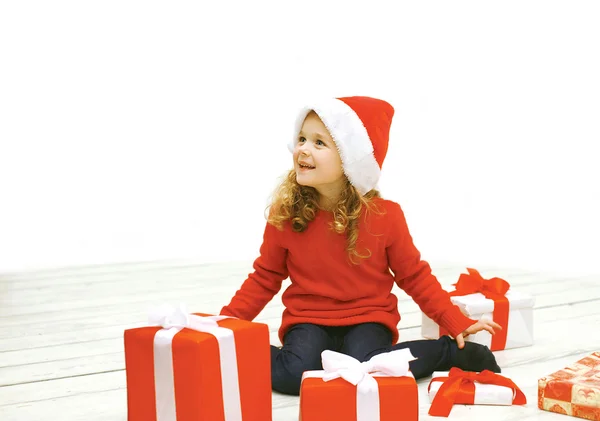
(136, 131)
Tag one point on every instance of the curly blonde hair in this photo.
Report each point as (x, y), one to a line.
(299, 204)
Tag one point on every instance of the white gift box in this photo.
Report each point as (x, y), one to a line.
(477, 306)
(485, 394)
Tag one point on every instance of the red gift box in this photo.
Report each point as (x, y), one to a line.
(381, 389)
(573, 390)
(197, 367)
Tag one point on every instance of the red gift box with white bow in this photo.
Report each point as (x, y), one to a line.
(196, 367)
(381, 389)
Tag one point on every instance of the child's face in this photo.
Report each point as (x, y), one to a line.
(316, 158)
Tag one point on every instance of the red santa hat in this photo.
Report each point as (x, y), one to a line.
(360, 127)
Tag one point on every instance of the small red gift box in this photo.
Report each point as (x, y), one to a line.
(573, 390)
(381, 389)
(197, 367)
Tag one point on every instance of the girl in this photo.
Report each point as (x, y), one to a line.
(332, 234)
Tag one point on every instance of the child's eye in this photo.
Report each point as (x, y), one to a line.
(320, 143)
(301, 139)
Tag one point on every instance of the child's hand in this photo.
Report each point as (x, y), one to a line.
(474, 328)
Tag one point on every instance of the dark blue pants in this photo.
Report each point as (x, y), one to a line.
(303, 344)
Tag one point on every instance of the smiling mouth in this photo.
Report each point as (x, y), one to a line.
(306, 167)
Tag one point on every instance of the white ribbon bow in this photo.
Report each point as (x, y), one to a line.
(394, 363)
(173, 320)
(337, 365)
(168, 316)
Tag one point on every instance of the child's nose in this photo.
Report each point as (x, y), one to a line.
(303, 148)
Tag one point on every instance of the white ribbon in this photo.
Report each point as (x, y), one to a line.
(174, 320)
(361, 375)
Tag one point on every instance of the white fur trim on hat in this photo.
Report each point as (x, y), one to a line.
(351, 139)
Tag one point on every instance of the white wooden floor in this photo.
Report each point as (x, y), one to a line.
(61, 346)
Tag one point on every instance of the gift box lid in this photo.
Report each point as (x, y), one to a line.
(478, 303)
(586, 370)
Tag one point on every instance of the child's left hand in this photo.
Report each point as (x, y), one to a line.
(488, 325)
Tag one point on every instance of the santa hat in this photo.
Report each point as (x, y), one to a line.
(360, 127)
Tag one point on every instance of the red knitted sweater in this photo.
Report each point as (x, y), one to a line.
(327, 289)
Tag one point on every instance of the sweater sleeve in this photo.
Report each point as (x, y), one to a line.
(259, 288)
(415, 277)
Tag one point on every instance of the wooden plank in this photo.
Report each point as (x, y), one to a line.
(61, 369)
(61, 388)
(68, 275)
(96, 406)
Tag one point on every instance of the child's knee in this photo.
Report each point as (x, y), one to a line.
(474, 357)
(366, 340)
(287, 370)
